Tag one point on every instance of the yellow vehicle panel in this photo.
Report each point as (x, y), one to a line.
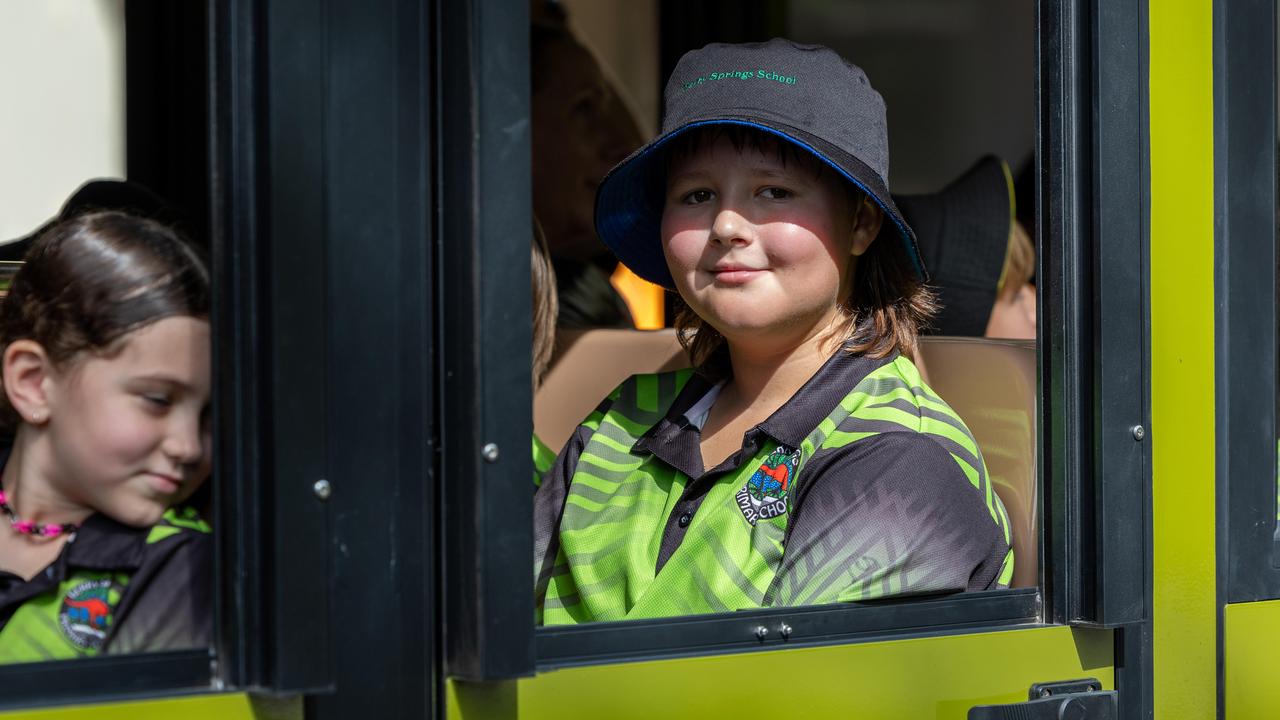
(1184, 597)
(199, 707)
(934, 677)
(1248, 658)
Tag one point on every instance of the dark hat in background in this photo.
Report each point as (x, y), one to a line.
(806, 95)
(100, 194)
(963, 231)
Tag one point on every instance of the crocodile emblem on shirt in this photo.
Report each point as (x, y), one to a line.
(765, 494)
(85, 614)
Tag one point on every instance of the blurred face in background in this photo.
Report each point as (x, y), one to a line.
(581, 129)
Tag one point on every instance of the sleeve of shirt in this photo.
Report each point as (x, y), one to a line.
(548, 506)
(549, 499)
(892, 514)
(169, 601)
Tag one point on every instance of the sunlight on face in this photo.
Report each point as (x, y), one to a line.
(760, 249)
(129, 431)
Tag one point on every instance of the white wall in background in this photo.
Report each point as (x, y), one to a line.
(62, 110)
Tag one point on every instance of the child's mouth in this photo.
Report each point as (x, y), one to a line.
(735, 275)
(165, 484)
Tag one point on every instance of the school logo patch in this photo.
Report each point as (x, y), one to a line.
(86, 614)
(765, 494)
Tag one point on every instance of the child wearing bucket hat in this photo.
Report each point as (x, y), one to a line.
(803, 460)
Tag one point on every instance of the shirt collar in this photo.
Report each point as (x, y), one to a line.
(675, 439)
(814, 401)
(104, 544)
(697, 414)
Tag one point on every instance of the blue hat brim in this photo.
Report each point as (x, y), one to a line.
(629, 203)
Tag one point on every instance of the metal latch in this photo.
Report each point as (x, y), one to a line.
(1068, 700)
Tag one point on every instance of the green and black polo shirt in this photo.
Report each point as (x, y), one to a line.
(543, 458)
(114, 589)
(865, 484)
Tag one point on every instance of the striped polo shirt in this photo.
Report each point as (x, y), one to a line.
(865, 484)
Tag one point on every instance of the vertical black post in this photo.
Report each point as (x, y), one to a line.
(1245, 286)
(485, 338)
(234, 125)
(270, 330)
(377, 236)
(1092, 191)
(167, 56)
(1061, 189)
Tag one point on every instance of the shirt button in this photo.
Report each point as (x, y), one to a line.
(685, 519)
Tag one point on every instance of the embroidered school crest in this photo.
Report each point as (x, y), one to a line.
(86, 614)
(765, 494)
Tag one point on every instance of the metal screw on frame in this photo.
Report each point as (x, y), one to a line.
(784, 630)
(322, 489)
(762, 632)
(489, 452)
(1139, 432)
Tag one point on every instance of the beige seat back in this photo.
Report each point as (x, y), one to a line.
(991, 384)
(588, 365)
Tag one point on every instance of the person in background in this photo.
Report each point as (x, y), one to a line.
(980, 259)
(104, 347)
(581, 128)
(1014, 313)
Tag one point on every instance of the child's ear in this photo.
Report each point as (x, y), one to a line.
(866, 225)
(27, 370)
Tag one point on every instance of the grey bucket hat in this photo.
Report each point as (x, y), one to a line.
(806, 95)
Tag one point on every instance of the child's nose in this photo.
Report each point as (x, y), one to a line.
(729, 227)
(184, 443)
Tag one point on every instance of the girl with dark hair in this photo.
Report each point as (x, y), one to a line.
(104, 352)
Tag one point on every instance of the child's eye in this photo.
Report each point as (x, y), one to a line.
(776, 193)
(158, 401)
(696, 197)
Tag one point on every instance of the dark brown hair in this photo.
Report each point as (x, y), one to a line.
(88, 281)
(888, 305)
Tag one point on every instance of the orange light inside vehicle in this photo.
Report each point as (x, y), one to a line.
(643, 298)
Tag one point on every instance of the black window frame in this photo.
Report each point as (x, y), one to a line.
(319, 121)
(1245, 286)
(152, 30)
(286, 209)
(1246, 289)
(1092, 192)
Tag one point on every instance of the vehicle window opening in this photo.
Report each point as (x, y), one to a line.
(105, 298)
(952, 153)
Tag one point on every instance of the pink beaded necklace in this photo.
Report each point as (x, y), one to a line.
(26, 527)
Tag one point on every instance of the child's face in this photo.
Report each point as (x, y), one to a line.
(129, 434)
(761, 249)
